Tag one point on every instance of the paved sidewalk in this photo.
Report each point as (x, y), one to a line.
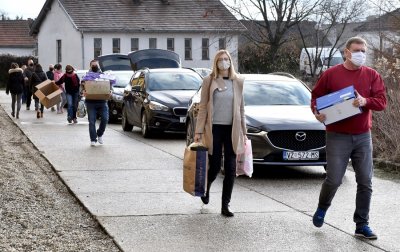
(134, 189)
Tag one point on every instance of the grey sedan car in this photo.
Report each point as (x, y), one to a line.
(280, 124)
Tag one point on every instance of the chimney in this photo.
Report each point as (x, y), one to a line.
(165, 1)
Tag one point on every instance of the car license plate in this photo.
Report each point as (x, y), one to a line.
(301, 155)
(182, 119)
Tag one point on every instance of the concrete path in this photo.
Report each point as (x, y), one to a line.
(133, 186)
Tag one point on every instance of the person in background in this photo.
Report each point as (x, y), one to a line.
(350, 138)
(72, 83)
(95, 107)
(38, 76)
(27, 77)
(50, 76)
(23, 67)
(57, 75)
(221, 124)
(50, 73)
(15, 86)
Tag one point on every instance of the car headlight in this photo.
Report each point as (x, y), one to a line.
(157, 106)
(253, 130)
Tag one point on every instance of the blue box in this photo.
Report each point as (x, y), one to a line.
(338, 105)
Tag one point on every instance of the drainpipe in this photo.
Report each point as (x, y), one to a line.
(83, 51)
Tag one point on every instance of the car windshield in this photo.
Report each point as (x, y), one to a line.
(174, 81)
(260, 93)
(121, 79)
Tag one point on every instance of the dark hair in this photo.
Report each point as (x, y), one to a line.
(38, 67)
(14, 65)
(57, 66)
(69, 68)
(94, 60)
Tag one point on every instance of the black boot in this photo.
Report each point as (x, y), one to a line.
(206, 198)
(226, 211)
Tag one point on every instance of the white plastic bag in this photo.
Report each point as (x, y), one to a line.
(81, 111)
(244, 162)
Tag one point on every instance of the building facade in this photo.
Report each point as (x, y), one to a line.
(75, 32)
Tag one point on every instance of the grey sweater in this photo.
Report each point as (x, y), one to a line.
(223, 104)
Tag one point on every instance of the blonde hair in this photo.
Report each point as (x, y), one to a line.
(215, 69)
(355, 40)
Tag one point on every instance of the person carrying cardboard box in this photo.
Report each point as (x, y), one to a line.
(350, 137)
(96, 104)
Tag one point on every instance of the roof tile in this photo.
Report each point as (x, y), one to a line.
(15, 33)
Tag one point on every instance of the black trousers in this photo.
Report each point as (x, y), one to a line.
(222, 139)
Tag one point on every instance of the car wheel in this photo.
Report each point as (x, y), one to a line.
(145, 127)
(189, 133)
(125, 124)
(112, 119)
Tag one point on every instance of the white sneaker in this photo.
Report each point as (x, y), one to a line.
(93, 143)
(100, 140)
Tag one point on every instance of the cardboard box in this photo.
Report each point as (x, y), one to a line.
(97, 90)
(49, 94)
(338, 105)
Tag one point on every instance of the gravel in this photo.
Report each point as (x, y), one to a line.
(37, 212)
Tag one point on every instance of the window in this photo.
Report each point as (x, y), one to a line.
(152, 43)
(170, 44)
(58, 50)
(116, 45)
(188, 48)
(205, 54)
(97, 47)
(222, 43)
(134, 44)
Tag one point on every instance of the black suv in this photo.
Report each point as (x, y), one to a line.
(158, 99)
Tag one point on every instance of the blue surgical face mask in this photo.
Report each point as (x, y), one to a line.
(358, 58)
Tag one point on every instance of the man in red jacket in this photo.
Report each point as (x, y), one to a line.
(351, 137)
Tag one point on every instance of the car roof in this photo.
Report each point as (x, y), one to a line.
(170, 70)
(270, 77)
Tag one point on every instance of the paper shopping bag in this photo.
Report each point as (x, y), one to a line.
(195, 163)
(244, 161)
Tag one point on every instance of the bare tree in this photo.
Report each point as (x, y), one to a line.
(277, 17)
(331, 20)
(4, 15)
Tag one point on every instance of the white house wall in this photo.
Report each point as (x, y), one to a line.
(57, 26)
(17, 51)
(179, 39)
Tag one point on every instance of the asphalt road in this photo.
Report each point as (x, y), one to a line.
(133, 187)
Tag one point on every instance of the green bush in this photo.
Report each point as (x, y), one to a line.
(5, 63)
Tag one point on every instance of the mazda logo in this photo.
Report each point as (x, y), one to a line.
(300, 136)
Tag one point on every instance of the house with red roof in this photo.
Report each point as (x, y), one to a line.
(15, 38)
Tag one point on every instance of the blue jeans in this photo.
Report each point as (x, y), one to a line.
(72, 100)
(94, 108)
(339, 148)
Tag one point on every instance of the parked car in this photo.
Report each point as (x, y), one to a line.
(115, 104)
(202, 71)
(158, 99)
(280, 124)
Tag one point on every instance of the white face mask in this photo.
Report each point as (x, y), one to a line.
(358, 58)
(224, 64)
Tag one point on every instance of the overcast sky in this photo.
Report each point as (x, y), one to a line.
(24, 8)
